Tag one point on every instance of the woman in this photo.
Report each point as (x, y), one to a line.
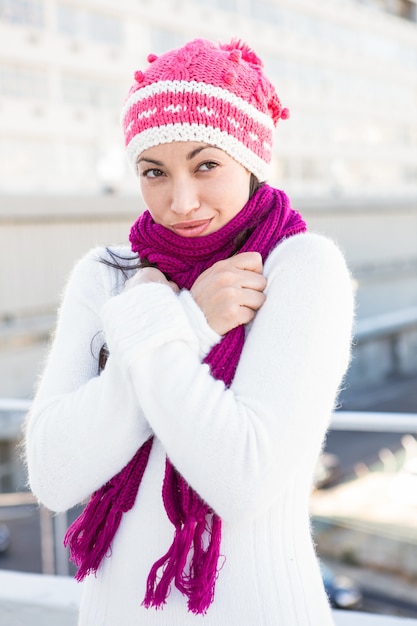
(221, 344)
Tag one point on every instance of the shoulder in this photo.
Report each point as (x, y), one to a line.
(106, 255)
(102, 270)
(310, 270)
(310, 292)
(308, 252)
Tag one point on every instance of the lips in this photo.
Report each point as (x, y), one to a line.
(192, 228)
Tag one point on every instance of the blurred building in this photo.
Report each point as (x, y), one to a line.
(347, 69)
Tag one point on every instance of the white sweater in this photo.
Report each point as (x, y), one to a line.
(249, 451)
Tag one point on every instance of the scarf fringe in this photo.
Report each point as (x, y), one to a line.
(89, 537)
(205, 569)
(199, 584)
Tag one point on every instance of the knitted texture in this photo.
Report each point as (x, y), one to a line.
(218, 95)
(93, 531)
(191, 562)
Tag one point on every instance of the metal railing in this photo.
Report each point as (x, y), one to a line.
(386, 324)
(374, 421)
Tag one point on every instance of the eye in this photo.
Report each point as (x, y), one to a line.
(152, 173)
(207, 165)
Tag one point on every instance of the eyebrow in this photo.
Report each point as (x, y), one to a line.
(196, 151)
(154, 161)
(189, 156)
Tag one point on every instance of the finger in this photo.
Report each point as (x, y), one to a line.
(248, 298)
(253, 299)
(146, 275)
(246, 314)
(243, 299)
(248, 261)
(231, 276)
(252, 280)
(174, 286)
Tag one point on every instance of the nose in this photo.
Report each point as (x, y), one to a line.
(185, 197)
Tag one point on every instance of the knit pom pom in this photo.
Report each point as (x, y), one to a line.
(285, 113)
(275, 109)
(247, 53)
(235, 55)
(152, 57)
(139, 76)
(230, 78)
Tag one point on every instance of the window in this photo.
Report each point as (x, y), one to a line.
(68, 21)
(104, 29)
(23, 82)
(88, 91)
(25, 165)
(82, 24)
(163, 40)
(24, 12)
(223, 5)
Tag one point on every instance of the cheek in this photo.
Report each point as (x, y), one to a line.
(152, 200)
(238, 195)
(232, 204)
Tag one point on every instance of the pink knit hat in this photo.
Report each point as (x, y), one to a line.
(203, 92)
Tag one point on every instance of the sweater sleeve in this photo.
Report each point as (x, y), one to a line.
(207, 337)
(237, 447)
(82, 427)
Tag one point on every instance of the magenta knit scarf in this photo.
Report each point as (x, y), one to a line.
(191, 562)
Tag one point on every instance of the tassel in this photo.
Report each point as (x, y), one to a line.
(89, 538)
(204, 568)
(172, 565)
(199, 584)
(194, 523)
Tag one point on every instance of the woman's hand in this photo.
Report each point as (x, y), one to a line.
(149, 275)
(231, 291)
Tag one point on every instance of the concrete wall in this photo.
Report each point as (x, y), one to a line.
(380, 243)
(42, 237)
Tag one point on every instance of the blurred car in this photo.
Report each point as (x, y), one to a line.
(4, 537)
(343, 593)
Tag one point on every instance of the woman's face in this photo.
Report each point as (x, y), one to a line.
(192, 188)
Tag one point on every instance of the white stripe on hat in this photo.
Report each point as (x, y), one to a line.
(195, 132)
(183, 86)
